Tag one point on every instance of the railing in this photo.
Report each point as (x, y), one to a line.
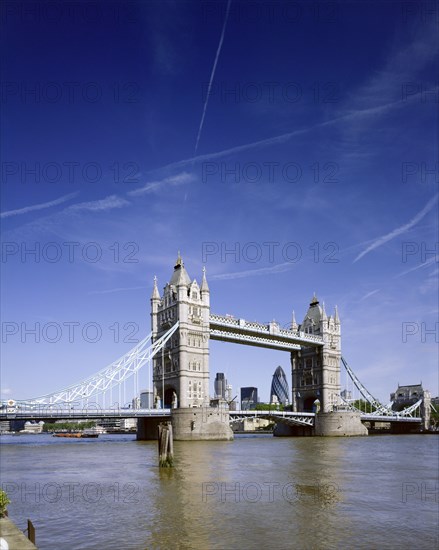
(251, 338)
(254, 327)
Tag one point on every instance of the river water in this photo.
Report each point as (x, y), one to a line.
(255, 492)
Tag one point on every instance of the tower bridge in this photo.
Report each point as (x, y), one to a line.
(177, 352)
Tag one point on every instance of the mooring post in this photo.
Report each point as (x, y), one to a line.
(166, 445)
(30, 531)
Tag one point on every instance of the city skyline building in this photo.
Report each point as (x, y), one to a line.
(220, 385)
(249, 397)
(279, 387)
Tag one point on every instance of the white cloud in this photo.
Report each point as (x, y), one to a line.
(279, 268)
(40, 206)
(150, 187)
(113, 201)
(119, 289)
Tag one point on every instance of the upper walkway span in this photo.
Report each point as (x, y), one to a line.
(229, 329)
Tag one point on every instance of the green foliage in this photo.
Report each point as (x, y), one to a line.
(72, 426)
(4, 501)
(268, 407)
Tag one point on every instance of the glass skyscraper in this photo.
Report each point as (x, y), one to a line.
(279, 387)
(249, 398)
(220, 385)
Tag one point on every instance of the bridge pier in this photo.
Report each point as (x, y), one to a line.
(204, 423)
(339, 423)
(147, 427)
(189, 424)
(285, 430)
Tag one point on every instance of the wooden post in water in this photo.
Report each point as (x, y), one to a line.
(30, 531)
(166, 445)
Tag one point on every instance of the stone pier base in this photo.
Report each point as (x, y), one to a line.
(147, 427)
(285, 430)
(197, 424)
(339, 423)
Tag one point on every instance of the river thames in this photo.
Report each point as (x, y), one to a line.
(257, 491)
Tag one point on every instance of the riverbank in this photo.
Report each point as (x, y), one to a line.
(11, 534)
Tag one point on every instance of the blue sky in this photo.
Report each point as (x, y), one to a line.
(319, 136)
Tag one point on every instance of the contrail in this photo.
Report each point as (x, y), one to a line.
(218, 51)
(399, 230)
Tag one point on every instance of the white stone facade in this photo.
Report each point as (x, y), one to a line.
(186, 355)
(316, 370)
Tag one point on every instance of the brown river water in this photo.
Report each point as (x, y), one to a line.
(376, 492)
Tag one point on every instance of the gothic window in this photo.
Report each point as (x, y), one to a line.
(195, 295)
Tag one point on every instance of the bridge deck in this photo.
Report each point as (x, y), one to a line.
(228, 329)
(47, 412)
(42, 413)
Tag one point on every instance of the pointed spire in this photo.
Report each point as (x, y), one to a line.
(204, 286)
(314, 300)
(179, 261)
(155, 291)
(294, 325)
(336, 317)
(324, 316)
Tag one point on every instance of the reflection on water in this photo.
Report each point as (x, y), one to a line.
(375, 492)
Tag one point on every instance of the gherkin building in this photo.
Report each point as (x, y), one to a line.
(279, 387)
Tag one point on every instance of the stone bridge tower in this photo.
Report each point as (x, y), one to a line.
(316, 370)
(185, 358)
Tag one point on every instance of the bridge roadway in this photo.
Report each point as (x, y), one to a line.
(47, 412)
(229, 329)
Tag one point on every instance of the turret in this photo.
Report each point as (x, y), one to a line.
(294, 325)
(155, 302)
(204, 289)
(323, 319)
(336, 317)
